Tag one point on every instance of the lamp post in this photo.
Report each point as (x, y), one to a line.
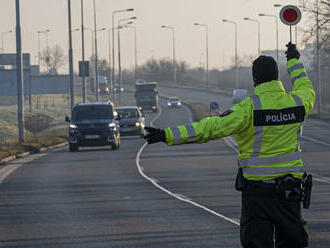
(42, 32)
(207, 50)
(113, 47)
(20, 78)
(83, 83)
(2, 40)
(70, 57)
(95, 57)
(173, 46)
(276, 21)
(119, 53)
(236, 62)
(92, 37)
(258, 22)
(135, 51)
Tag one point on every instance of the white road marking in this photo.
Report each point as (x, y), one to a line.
(176, 195)
(189, 111)
(11, 167)
(183, 196)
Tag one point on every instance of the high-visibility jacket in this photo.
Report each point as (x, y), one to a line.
(266, 125)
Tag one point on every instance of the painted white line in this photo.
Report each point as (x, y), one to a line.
(189, 111)
(15, 164)
(156, 117)
(183, 196)
(321, 178)
(11, 167)
(175, 195)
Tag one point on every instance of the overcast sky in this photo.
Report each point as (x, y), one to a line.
(152, 40)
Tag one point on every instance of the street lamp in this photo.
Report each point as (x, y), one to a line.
(2, 39)
(207, 51)
(95, 57)
(173, 43)
(70, 57)
(92, 50)
(119, 53)
(258, 22)
(276, 19)
(83, 83)
(113, 46)
(92, 37)
(42, 32)
(236, 63)
(135, 50)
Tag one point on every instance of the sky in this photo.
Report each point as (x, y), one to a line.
(152, 41)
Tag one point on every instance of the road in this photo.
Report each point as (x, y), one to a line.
(98, 198)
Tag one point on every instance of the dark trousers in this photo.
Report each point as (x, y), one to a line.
(265, 213)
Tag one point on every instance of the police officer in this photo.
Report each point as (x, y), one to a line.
(268, 126)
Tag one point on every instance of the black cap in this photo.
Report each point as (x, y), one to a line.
(264, 69)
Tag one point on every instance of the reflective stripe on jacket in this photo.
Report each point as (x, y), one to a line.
(266, 125)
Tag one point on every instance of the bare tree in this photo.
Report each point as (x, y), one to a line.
(53, 58)
(318, 9)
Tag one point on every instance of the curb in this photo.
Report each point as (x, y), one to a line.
(25, 154)
(7, 159)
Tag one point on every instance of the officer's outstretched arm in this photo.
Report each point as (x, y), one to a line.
(302, 86)
(230, 122)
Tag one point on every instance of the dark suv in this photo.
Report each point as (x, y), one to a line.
(93, 124)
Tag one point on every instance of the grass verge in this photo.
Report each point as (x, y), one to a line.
(33, 143)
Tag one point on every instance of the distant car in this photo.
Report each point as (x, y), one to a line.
(103, 85)
(239, 95)
(132, 121)
(93, 124)
(173, 102)
(117, 88)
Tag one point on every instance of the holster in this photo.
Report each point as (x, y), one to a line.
(240, 183)
(307, 190)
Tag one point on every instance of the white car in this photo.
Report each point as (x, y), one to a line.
(173, 102)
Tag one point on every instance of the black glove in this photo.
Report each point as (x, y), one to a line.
(155, 135)
(292, 51)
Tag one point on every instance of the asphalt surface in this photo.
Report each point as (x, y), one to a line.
(98, 198)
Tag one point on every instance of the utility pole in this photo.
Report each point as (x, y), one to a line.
(110, 70)
(70, 57)
(20, 79)
(83, 51)
(95, 61)
(119, 64)
(173, 50)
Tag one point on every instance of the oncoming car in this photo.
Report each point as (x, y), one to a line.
(131, 121)
(173, 102)
(93, 124)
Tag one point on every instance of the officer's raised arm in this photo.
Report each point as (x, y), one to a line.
(302, 86)
(210, 128)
